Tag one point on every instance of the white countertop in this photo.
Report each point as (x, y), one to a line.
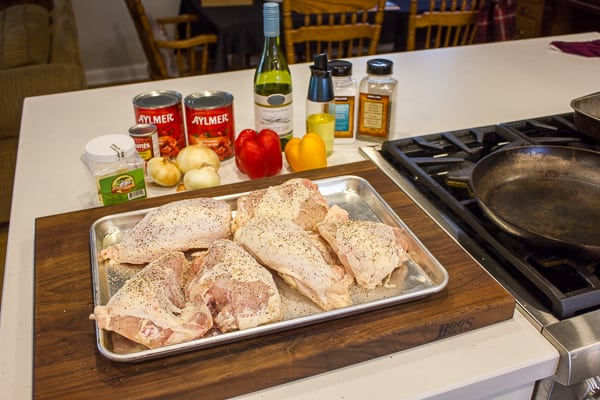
(438, 90)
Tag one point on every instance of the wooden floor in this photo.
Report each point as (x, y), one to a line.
(3, 237)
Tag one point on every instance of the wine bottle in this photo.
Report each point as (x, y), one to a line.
(273, 81)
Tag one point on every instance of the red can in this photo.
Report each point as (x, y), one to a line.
(209, 120)
(145, 137)
(163, 109)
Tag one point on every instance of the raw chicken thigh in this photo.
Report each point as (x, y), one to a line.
(151, 307)
(238, 290)
(297, 199)
(286, 248)
(369, 250)
(177, 226)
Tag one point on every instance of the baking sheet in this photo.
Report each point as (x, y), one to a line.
(425, 275)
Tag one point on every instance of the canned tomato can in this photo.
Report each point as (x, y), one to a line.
(145, 137)
(209, 120)
(163, 109)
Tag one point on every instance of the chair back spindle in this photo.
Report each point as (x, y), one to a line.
(181, 52)
(445, 23)
(346, 28)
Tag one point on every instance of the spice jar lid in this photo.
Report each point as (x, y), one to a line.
(340, 67)
(379, 66)
(109, 148)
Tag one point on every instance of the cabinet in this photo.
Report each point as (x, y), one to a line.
(530, 15)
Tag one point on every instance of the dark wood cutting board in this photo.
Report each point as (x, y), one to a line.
(68, 365)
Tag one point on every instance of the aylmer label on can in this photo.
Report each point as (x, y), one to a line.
(209, 120)
(163, 109)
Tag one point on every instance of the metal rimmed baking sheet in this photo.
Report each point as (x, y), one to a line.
(425, 275)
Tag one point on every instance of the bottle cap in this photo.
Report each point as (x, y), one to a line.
(320, 86)
(379, 66)
(340, 67)
(320, 62)
(109, 148)
(271, 19)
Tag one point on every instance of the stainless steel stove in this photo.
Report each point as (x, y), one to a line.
(560, 295)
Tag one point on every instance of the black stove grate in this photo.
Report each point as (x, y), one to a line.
(440, 164)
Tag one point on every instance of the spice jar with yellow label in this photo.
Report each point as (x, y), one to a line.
(377, 97)
(117, 168)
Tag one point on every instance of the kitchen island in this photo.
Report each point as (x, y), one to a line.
(438, 90)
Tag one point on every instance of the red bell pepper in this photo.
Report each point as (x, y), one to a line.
(258, 154)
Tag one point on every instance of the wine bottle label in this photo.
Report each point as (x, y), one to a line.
(274, 112)
(373, 115)
(344, 116)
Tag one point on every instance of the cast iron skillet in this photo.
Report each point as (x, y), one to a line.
(546, 195)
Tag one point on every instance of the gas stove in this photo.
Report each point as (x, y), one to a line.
(559, 294)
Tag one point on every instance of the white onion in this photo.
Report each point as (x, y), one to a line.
(163, 171)
(200, 178)
(197, 156)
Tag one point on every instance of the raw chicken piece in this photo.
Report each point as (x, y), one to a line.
(151, 308)
(177, 226)
(369, 250)
(297, 199)
(239, 291)
(288, 249)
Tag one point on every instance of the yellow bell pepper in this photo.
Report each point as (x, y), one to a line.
(306, 153)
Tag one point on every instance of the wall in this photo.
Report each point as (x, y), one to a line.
(110, 49)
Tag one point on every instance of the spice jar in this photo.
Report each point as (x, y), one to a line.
(344, 91)
(117, 168)
(377, 98)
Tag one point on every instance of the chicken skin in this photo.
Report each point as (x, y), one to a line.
(297, 199)
(286, 248)
(178, 226)
(369, 250)
(151, 308)
(238, 290)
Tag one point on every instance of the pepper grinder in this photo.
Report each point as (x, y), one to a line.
(320, 106)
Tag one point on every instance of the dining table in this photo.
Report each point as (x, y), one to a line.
(438, 90)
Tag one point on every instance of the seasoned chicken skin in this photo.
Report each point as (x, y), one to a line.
(238, 290)
(176, 226)
(369, 250)
(285, 247)
(297, 199)
(151, 307)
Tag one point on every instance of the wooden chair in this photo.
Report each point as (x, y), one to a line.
(446, 23)
(341, 28)
(183, 50)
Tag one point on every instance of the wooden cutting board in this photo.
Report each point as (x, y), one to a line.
(68, 365)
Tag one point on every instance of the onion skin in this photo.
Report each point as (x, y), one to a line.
(197, 156)
(163, 171)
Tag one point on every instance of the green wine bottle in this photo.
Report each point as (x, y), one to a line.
(273, 81)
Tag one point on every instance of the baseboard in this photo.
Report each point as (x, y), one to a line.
(124, 74)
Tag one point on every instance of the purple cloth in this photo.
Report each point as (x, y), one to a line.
(586, 49)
